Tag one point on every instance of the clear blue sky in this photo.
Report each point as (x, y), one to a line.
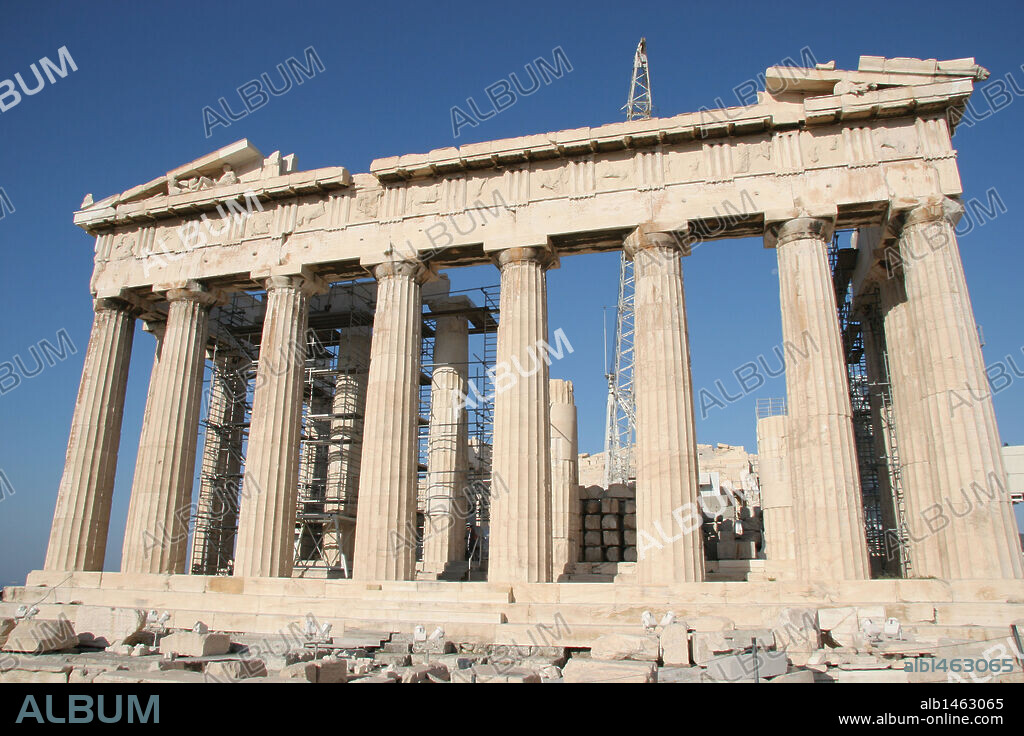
(133, 110)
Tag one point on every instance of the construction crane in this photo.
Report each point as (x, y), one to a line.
(641, 104)
(620, 422)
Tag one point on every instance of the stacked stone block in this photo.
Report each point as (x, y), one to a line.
(608, 520)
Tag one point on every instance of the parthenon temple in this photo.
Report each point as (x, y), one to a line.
(332, 429)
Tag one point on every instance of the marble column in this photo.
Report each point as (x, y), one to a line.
(520, 493)
(444, 523)
(971, 505)
(385, 547)
(913, 449)
(776, 498)
(78, 537)
(266, 523)
(156, 536)
(565, 479)
(343, 456)
(828, 509)
(669, 543)
(213, 541)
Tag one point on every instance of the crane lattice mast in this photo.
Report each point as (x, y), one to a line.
(641, 103)
(620, 425)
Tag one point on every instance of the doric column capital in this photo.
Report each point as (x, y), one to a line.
(802, 228)
(402, 267)
(155, 327)
(195, 292)
(108, 304)
(525, 254)
(306, 283)
(646, 237)
(932, 210)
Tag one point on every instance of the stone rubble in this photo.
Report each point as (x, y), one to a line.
(803, 646)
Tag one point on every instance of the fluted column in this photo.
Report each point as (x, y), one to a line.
(78, 537)
(970, 506)
(829, 515)
(156, 536)
(776, 497)
(386, 512)
(520, 501)
(219, 480)
(917, 474)
(444, 525)
(565, 480)
(343, 456)
(669, 543)
(266, 523)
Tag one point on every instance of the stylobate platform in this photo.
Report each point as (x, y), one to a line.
(567, 614)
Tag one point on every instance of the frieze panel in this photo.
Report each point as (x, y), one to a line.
(683, 164)
(551, 182)
(894, 141)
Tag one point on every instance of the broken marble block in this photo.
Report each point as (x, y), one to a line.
(843, 624)
(35, 677)
(707, 644)
(421, 673)
(320, 670)
(433, 646)
(191, 644)
(276, 652)
(797, 628)
(481, 673)
(680, 674)
(747, 667)
(639, 647)
(460, 661)
(359, 666)
(102, 626)
(675, 645)
(398, 659)
(36, 636)
(235, 669)
(581, 669)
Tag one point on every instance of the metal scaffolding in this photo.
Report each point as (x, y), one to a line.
(871, 406)
(772, 406)
(482, 317)
(337, 358)
(224, 430)
(897, 535)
